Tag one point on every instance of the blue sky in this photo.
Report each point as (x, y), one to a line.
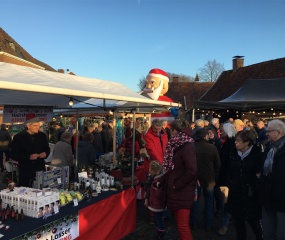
(121, 40)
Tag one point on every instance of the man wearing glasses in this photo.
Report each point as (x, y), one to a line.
(273, 182)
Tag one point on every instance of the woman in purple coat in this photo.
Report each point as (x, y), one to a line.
(180, 162)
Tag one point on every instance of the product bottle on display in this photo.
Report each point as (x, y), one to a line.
(93, 186)
(87, 184)
(3, 216)
(22, 214)
(82, 187)
(112, 181)
(8, 210)
(102, 180)
(12, 212)
(17, 215)
(98, 187)
(96, 174)
(108, 182)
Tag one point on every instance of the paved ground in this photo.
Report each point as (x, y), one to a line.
(146, 231)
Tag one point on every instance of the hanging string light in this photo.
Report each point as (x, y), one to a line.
(70, 103)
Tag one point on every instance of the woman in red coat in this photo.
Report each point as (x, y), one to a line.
(180, 162)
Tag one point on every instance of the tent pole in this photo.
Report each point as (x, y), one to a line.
(114, 137)
(193, 114)
(11, 163)
(133, 152)
(76, 148)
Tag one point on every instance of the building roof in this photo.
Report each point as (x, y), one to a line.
(10, 46)
(230, 81)
(190, 90)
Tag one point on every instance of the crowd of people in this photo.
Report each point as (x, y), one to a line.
(237, 167)
(31, 149)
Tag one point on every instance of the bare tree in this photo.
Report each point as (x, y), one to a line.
(142, 83)
(211, 71)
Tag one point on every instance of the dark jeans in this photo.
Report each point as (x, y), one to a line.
(254, 223)
(158, 220)
(273, 224)
(208, 193)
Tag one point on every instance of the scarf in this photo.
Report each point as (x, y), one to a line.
(245, 154)
(274, 147)
(176, 141)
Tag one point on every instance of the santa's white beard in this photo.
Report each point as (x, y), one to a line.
(154, 94)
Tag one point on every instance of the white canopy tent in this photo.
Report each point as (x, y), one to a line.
(29, 86)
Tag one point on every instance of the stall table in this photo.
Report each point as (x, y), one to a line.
(110, 215)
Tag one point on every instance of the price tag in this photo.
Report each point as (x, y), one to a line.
(75, 202)
(59, 180)
(56, 210)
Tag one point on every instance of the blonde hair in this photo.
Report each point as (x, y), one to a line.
(155, 167)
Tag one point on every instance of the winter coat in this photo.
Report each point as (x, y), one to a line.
(23, 146)
(73, 142)
(97, 142)
(273, 186)
(107, 139)
(208, 163)
(155, 146)
(86, 153)
(225, 152)
(244, 199)
(62, 154)
(182, 179)
(156, 193)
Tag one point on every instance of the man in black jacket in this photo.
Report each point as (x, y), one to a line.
(30, 148)
(208, 166)
(273, 183)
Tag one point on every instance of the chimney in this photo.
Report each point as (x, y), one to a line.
(196, 78)
(60, 70)
(237, 62)
(175, 79)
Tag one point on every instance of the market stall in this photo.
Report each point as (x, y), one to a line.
(33, 87)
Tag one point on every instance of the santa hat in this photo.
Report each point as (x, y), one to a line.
(156, 72)
(31, 118)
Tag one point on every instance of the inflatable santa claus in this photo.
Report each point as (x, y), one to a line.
(157, 82)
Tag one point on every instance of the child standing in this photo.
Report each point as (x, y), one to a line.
(155, 199)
